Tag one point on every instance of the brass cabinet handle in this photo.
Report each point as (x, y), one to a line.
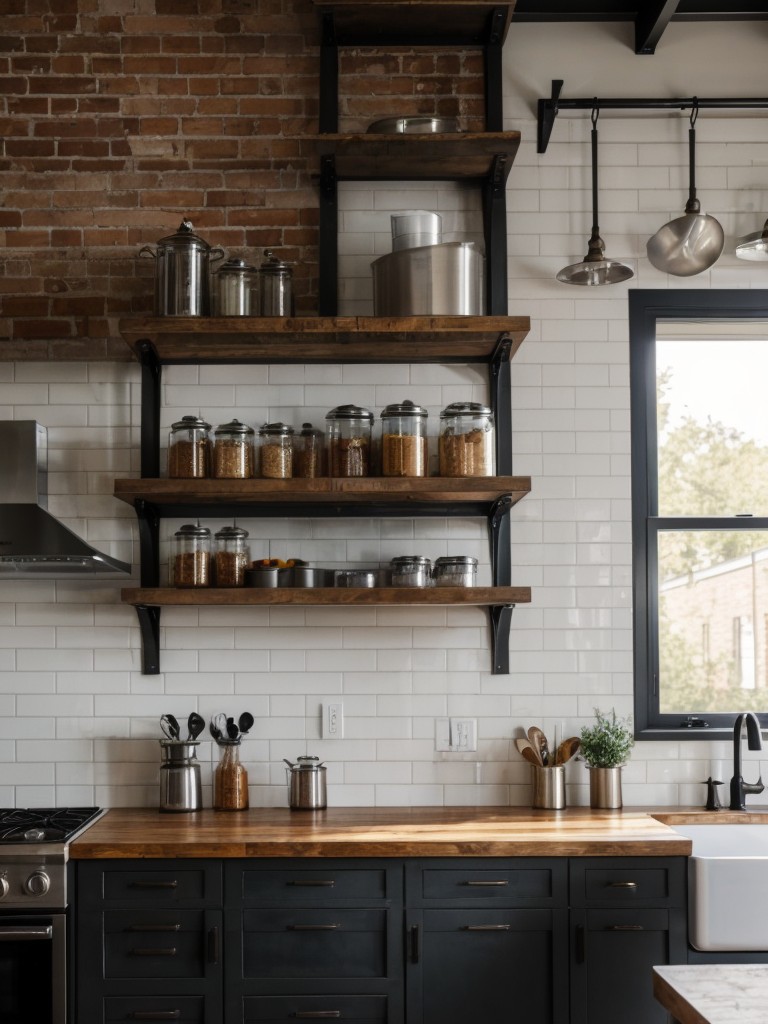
(486, 927)
(481, 884)
(622, 885)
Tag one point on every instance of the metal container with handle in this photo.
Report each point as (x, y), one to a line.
(430, 280)
(306, 784)
(183, 273)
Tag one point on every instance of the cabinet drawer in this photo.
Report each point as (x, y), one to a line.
(164, 882)
(630, 882)
(313, 943)
(352, 1009)
(180, 1009)
(501, 882)
(157, 943)
(301, 885)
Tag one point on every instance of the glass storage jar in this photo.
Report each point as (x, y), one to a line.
(189, 449)
(233, 451)
(276, 451)
(230, 779)
(404, 440)
(455, 571)
(411, 571)
(192, 556)
(232, 556)
(466, 443)
(348, 441)
(308, 461)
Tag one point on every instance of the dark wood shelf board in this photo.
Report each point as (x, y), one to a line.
(422, 23)
(380, 491)
(384, 597)
(278, 340)
(458, 156)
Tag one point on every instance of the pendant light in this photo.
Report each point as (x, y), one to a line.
(595, 269)
(754, 246)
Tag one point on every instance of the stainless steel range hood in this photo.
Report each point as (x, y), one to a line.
(33, 544)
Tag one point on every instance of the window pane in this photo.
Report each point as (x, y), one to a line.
(712, 426)
(713, 621)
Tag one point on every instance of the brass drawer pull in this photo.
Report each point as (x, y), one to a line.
(313, 882)
(622, 885)
(486, 927)
(153, 928)
(312, 927)
(142, 951)
(486, 884)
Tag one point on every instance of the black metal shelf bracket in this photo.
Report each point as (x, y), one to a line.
(149, 626)
(329, 74)
(328, 284)
(151, 376)
(500, 542)
(495, 231)
(500, 616)
(494, 115)
(500, 384)
(548, 109)
(148, 517)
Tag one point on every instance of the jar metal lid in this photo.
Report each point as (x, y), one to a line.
(405, 560)
(273, 264)
(231, 533)
(349, 412)
(191, 530)
(455, 560)
(272, 429)
(406, 408)
(235, 427)
(465, 409)
(184, 238)
(309, 763)
(191, 423)
(236, 266)
(307, 430)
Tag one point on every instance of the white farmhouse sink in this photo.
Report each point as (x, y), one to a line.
(727, 886)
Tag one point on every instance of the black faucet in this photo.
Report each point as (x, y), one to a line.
(754, 742)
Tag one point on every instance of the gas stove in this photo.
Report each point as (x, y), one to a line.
(34, 850)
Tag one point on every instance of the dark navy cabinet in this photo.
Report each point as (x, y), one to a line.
(377, 941)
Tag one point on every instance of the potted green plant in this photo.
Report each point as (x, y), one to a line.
(605, 746)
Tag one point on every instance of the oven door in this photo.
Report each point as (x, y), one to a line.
(33, 968)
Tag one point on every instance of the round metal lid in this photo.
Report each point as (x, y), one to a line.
(231, 533)
(463, 560)
(184, 238)
(276, 429)
(307, 430)
(191, 530)
(406, 408)
(273, 264)
(191, 423)
(403, 560)
(236, 266)
(309, 763)
(234, 427)
(349, 412)
(465, 409)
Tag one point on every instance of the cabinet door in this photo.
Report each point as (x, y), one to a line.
(487, 965)
(614, 952)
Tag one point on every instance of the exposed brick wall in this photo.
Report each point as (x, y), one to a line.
(119, 117)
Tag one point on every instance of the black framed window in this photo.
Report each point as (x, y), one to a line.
(699, 421)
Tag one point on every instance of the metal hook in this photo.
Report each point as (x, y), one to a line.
(595, 113)
(694, 110)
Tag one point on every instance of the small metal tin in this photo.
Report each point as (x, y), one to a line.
(455, 571)
(356, 578)
(411, 571)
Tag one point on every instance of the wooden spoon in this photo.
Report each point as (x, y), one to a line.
(567, 749)
(538, 741)
(529, 752)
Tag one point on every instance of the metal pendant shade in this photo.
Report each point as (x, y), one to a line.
(595, 268)
(689, 244)
(754, 246)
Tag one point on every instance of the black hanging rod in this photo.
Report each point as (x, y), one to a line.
(548, 109)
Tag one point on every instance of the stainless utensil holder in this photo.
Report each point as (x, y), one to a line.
(548, 787)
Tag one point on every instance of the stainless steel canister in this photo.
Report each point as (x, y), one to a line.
(180, 785)
(306, 784)
(432, 280)
(183, 273)
(233, 290)
(275, 286)
(411, 571)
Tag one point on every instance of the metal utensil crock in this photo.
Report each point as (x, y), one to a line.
(306, 784)
(183, 273)
(180, 785)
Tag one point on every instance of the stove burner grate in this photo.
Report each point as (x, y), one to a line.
(43, 825)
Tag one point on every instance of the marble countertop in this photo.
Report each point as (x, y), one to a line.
(713, 993)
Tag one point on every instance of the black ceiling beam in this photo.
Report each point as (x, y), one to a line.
(650, 24)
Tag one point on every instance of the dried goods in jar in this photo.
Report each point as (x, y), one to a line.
(233, 451)
(308, 453)
(191, 559)
(403, 455)
(189, 449)
(276, 451)
(466, 445)
(230, 780)
(348, 441)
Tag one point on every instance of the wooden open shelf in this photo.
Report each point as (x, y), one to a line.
(456, 156)
(357, 339)
(385, 597)
(322, 490)
(420, 22)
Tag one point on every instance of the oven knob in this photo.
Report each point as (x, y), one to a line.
(4, 887)
(37, 884)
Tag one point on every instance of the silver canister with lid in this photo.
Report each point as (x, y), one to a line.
(467, 440)
(234, 286)
(180, 784)
(411, 571)
(455, 571)
(233, 456)
(189, 449)
(192, 556)
(307, 789)
(275, 286)
(348, 441)
(404, 440)
(183, 264)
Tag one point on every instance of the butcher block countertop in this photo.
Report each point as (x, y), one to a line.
(379, 832)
